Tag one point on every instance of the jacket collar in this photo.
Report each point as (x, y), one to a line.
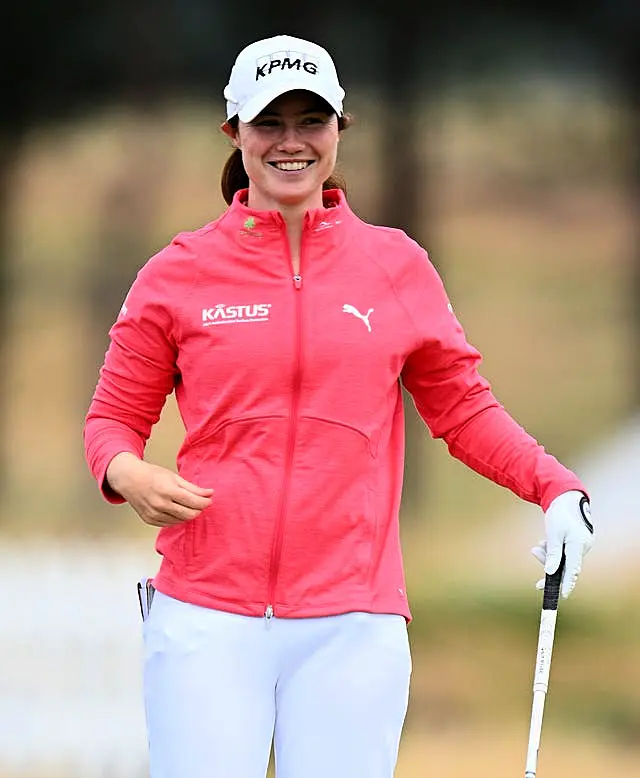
(247, 222)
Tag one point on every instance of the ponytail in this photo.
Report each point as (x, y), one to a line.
(234, 177)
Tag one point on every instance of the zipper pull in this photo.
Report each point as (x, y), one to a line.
(268, 614)
(297, 282)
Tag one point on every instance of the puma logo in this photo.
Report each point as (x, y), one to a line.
(355, 312)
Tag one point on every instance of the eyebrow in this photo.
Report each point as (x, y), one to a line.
(319, 109)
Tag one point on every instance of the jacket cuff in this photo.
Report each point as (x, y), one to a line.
(556, 489)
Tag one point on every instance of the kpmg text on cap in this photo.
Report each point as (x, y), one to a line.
(266, 65)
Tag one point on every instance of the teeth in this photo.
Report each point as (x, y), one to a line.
(291, 165)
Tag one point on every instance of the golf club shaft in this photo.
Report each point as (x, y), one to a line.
(546, 635)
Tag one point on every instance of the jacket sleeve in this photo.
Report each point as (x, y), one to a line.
(457, 403)
(138, 372)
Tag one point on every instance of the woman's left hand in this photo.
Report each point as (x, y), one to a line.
(569, 528)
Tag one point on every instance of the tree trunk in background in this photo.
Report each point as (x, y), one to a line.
(125, 232)
(616, 37)
(148, 74)
(125, 238)
(9, 151)
(631, 75)
(403, 202)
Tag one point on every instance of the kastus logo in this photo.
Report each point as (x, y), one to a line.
(235, 314)
(285, 61)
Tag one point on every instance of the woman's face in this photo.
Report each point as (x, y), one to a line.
(289, 150)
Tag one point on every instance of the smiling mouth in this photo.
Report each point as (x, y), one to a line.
(292, 166)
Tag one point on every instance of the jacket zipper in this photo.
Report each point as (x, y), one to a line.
(276, 549)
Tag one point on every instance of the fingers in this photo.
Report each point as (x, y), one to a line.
(573, 567)
(574, 553)
(555, 538)
(161, 497)
(554, 556)
(170, 506)
(168, 516)
(540, 552)
(201, 491)
(184, 505)
(160, 520)
(192, 500)
(549, 554)
(568, 585)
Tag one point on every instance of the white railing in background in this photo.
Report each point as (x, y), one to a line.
(70, 660)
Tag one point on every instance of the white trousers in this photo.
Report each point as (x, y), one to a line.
(329, 693)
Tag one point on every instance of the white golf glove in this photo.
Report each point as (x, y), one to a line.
(568, 525)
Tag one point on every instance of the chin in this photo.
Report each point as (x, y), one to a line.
(294, 195)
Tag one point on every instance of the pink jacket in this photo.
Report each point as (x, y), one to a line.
(289, 388)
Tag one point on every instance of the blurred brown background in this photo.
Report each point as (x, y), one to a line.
(506, 142)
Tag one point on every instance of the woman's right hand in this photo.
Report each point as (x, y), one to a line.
(159, 496)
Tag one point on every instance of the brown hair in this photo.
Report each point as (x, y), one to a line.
(234, 177)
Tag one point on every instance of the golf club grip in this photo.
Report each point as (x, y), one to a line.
(552, 585)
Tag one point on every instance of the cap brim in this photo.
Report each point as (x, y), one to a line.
(252, 108)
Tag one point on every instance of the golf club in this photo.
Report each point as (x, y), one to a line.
(543, 664)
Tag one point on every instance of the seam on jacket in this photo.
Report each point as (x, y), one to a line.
(126, 349)
(185, 240)
(336, 423)
(396, 294)
(207, 228)
(181, 312)
(482, 466)
(181, 316)
(206, 435)
(496, 475)
(452, 434)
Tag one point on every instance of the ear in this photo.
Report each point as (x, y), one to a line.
(232, 133)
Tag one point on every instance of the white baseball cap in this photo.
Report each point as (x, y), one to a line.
(268, 68)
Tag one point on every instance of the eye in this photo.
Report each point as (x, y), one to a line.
(265, 122)
(311, 120)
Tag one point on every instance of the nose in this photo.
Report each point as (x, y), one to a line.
(290, 141)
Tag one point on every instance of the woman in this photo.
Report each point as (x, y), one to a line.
(285, 328)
